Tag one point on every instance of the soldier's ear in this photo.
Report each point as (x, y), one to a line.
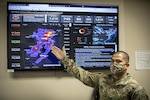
(127, 65)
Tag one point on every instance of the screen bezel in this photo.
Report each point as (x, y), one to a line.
(61, 68)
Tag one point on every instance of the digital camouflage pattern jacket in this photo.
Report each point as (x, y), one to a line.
(126, 88)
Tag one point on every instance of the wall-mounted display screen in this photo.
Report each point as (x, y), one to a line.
(89, 33)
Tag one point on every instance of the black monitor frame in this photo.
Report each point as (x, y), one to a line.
(90, 34)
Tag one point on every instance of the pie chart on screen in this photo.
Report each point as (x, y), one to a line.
(82, 31)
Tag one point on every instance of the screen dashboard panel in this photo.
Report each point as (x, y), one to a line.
(88, 32)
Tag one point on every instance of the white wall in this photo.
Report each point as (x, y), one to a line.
(49, 85)
(137, 30)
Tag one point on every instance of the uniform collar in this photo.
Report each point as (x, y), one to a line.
(123, 81)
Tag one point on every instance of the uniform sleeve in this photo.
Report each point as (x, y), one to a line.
(140, 94)
(88, 78)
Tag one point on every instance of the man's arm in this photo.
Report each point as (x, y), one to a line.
(88, 78)
(139, 94)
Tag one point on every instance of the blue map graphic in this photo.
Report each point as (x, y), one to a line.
(44, 38)
(103, 36)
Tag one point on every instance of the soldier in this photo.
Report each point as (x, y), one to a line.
(118, 85)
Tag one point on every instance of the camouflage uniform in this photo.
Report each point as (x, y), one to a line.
(110, 89)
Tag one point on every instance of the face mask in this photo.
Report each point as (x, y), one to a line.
(116, 68)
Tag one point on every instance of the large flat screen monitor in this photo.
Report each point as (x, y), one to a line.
(89, 33)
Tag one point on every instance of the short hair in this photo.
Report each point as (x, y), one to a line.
(125, 55)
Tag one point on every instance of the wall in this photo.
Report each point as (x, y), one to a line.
(49, 85)
(137, 30)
